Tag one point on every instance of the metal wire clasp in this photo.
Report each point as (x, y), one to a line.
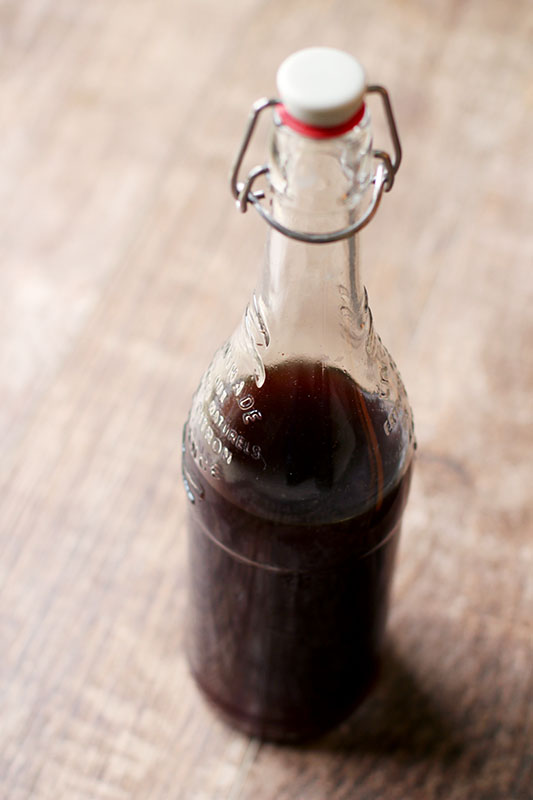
(382, 180)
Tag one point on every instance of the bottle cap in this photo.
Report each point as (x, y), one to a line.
(321, 86)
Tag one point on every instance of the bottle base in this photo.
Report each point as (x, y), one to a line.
(289, 731)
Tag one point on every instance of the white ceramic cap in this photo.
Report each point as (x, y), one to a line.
(321, 86)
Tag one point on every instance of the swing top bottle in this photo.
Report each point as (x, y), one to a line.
(297, 452)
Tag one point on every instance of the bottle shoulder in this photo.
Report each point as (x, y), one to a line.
(307, 443)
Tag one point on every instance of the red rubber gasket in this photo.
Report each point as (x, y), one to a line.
(315, 132)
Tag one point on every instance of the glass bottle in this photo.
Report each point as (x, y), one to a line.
(297, 457)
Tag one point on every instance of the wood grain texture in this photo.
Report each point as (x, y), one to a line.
(123, 266)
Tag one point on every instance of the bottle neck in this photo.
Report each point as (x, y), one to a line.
(311, 294)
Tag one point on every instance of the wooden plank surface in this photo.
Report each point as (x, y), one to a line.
(123, 266)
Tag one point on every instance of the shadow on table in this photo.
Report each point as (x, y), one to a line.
(398, 719)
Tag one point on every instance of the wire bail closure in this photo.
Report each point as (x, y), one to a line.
(382, 180)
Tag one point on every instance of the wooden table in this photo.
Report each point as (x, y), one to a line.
(124, 265)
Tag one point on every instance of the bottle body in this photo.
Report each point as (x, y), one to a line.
(288, 605)
(297, 460)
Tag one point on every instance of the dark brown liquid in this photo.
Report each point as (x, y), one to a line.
(292, 554)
